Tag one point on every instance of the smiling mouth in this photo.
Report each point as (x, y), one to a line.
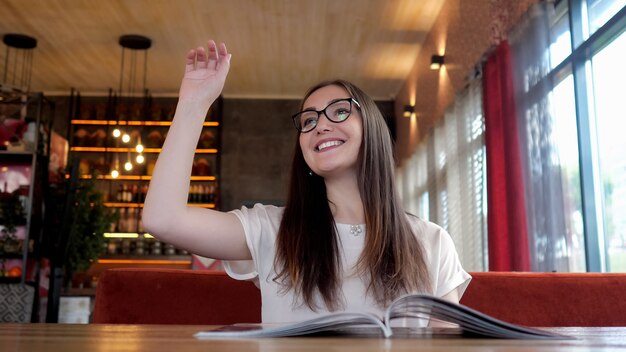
(328, 144)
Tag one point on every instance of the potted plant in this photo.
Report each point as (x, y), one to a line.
(11, 215)
(88, 220)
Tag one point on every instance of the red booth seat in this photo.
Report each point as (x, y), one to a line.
(550, 299)
(172, 296)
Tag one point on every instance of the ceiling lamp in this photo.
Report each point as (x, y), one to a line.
(129, 78)
(18, 61)
(133, 76)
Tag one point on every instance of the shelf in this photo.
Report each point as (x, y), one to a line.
(131, 150)
(10, 280)
(16, 153)
(141, 177)
(145, 259)
(134, 123)
(90, 140)
(126, 235)
(140, 205)
(12, 256)
(16, 157)
(74, 291)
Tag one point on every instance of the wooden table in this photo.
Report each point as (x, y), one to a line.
(178, 338)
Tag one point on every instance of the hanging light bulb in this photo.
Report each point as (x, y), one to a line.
(140, 159)
(125, 138)
(115, 173)
(139, 147)
(117, 132)
(128, 165)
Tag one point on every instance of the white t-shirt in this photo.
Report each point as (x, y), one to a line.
(261, 225)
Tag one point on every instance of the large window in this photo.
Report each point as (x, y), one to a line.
(586, 97)
(607, 69)
(572, 132)
(565, 136)
(574, 126)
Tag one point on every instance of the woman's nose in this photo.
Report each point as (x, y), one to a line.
(323, 124)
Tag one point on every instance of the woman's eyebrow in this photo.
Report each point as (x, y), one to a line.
(312, 108)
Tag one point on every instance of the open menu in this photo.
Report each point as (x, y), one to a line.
(467, 321)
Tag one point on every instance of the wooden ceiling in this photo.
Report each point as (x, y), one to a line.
(279, 47)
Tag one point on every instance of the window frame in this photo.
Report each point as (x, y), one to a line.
(579, 62)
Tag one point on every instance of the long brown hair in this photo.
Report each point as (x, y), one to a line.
(307, 251)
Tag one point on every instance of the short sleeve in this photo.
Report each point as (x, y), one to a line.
(446, 271)
(260, 224)
(451, 274)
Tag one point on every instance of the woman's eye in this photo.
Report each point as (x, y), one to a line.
(309, 121)
(342, 114)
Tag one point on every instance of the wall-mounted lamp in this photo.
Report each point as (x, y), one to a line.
(436, 61)
(408, 110)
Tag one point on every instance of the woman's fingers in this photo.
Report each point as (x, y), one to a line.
(224, 59)
(199, 58)
(222, 51)
(191, 61)
(213, 56)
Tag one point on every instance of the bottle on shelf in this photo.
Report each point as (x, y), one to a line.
(140, 245)
(123, 222)
(211, 193)
(119, 194)
(134, 194)
(132, 220)
(140, 222)
(144, 191)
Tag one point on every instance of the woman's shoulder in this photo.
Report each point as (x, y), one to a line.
(262, 212)
(427, 231)
(416, 221)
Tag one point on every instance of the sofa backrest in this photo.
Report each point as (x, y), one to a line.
(173, 296)
(550, 299)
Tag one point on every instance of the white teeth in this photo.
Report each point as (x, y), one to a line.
(328, 144)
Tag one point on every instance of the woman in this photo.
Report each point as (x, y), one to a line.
(342, 242)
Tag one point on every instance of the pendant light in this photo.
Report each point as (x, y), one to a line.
(132, 83)
(18, 61)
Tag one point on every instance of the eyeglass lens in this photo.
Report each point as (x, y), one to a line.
(338, 111)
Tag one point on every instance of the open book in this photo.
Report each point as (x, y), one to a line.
(416, 306)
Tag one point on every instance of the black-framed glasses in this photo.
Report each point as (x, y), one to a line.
(337, 111)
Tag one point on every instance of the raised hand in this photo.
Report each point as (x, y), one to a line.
(205, 73)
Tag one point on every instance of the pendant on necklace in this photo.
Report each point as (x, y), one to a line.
(355, 230)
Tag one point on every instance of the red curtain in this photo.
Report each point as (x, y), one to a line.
(508, 233)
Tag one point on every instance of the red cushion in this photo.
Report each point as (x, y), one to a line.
(174, 296)
(550, 299)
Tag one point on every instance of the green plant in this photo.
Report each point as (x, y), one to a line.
(89, 219)
(11, 215)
